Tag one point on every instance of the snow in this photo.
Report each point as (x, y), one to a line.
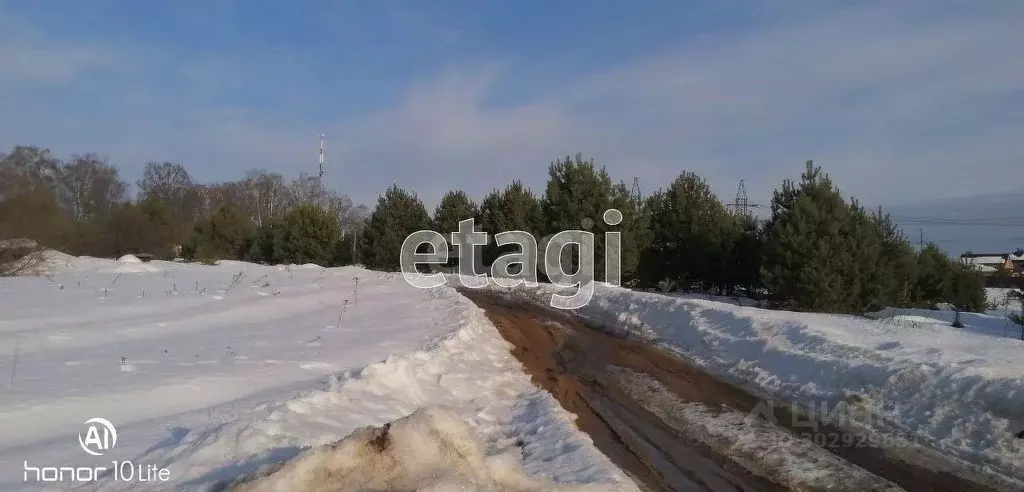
(210, 372)
(754, 442)
(983, 260)
(993, 323)
(432, 450)
(1002, 301)
(927, 383)
(129, 259)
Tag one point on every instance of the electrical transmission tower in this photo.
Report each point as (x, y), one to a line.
(742, 206)
(635, 192)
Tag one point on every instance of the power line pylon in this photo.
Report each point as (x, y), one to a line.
(635, 192)
(742, 206)
(742, 201)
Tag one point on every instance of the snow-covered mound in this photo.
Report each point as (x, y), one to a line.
(130, 259)
(132, 264)
(43, 262)
(924, 383)
(55, 260)
(432, 450)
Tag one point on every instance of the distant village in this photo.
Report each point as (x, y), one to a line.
(999, 269)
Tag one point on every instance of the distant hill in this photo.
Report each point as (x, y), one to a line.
(983, 224)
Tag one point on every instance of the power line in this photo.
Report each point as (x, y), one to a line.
(955, 218)
(975, 240)
(960, 221)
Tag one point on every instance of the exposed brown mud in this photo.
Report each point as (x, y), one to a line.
(574, 361)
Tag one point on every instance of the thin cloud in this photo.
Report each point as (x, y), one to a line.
(28, 59)
(868, 92)
(914, 99)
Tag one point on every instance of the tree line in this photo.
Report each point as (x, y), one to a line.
(82, 206)
(817, 250)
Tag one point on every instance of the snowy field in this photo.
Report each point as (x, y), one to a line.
(210, 372)
(908, 376)
(993, 322)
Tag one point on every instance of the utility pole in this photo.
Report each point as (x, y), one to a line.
(921, 241)
(635, 192)
(320, 179)
(355, 241)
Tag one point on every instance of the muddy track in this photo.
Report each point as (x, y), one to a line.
(576, 363)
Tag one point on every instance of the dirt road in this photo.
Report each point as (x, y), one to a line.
(589, 372)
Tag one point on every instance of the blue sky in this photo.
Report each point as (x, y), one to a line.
(898, 101)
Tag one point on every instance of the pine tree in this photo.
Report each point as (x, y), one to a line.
(871, 278)
(455, 207)
(266, 246)
(745, 264)
(1016, 296)
(813, 258)
(934, 274)
(692, 236)
(897, 259)
(343, 250)
(966, 289)
(227, 234)
(513, 209)
(576, 198)
(397, 215)
(147, 227)
(308, 234)
(635, 231)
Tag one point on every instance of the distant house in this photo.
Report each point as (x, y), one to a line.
(995, 263)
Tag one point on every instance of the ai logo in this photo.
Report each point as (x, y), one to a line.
(98, 436)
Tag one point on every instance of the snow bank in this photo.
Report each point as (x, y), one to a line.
(928, 383)
(304, 266)
(130, 259)
(432, 450)
(468, 370)
(47, 262)
(56, 260)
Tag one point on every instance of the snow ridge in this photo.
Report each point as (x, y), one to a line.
(953, 390)
(469, 371)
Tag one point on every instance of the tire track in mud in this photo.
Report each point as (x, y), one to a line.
(581, 367)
